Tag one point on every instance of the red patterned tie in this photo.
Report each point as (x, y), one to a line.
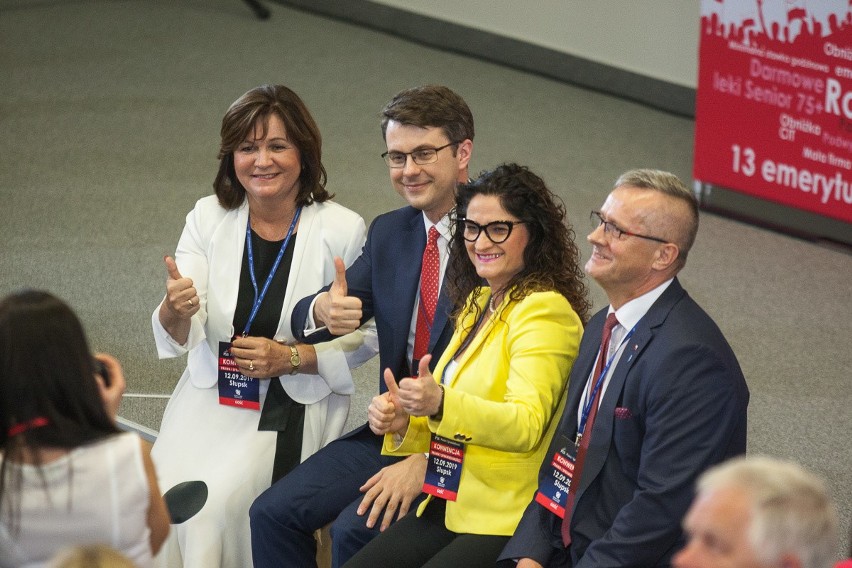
(429, 272)
(610, 323)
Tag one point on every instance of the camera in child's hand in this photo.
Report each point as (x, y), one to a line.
(101, 370)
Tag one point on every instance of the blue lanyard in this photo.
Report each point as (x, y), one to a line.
(587, 408)
(258, 298)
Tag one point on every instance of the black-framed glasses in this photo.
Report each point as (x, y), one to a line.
(496, 231)
(611, 228)
(421, 156)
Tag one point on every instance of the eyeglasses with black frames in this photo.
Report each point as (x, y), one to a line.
(496, 231)
(612, 229)
(421, 156)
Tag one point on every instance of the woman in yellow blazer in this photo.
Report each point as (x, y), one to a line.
(487, 415)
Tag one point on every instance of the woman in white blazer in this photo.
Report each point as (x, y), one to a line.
(252, 403)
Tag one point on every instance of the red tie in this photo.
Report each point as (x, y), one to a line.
(428, 297)
(611, 322)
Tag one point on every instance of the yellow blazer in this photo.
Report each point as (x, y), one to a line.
(504, 403)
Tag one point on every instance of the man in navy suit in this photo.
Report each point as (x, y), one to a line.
(429, 136)
(670, 397)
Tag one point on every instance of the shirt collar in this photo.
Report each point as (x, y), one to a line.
(630, 313)
(443, 225)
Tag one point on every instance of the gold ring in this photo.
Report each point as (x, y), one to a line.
(251, 365)
(190, 303)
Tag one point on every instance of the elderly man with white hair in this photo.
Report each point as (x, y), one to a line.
(759, 512)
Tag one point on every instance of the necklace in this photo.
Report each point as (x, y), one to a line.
(491, 307)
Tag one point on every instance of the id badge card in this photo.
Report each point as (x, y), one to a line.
(443, 468)
(552, 492)
(236, 389)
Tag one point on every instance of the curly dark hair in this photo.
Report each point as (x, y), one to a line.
(551, 258)
(258, 105)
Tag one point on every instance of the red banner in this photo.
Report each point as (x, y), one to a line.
(774, 102)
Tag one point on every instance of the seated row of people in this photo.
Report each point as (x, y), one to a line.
(517, 437)
(68, 478)
(667, 389)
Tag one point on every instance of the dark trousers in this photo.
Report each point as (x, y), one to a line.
(425, 541)
(323, 488)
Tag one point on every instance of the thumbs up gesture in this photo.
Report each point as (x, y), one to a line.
(336, 310)
(420, 395)
(181, 298)
(385, 413)
(338, 287)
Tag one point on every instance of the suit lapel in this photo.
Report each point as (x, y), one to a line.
(442, 314)
(479, 339)
(601, 440)
(406, 275)
(305, 246)
(225, 255)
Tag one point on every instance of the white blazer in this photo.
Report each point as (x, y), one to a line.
(210, 251)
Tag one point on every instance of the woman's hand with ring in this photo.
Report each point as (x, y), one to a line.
(181, 296)
(260, 357)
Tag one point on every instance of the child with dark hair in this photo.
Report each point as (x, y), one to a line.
(68, 476)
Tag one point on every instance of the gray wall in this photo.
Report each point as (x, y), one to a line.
(657, 39)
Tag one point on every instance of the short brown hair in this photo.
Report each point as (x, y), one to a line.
(243, 115)
(431, 106)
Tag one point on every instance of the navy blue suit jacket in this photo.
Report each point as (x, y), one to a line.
(681, 400)
(385, 277)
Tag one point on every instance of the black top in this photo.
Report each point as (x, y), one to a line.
(280, 413)
(266, 322)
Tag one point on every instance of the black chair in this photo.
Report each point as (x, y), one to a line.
(185, 499)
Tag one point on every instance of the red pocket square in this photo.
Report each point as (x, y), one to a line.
(623, 413)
